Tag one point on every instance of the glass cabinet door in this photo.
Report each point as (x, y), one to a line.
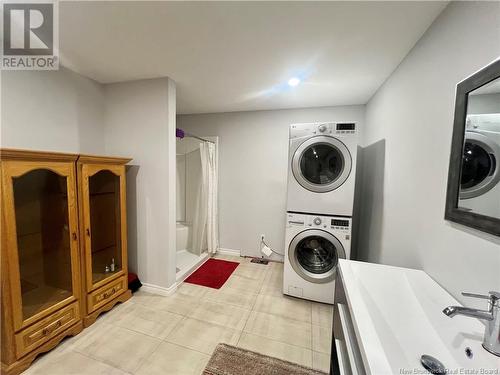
(104, 223)
(42, 234)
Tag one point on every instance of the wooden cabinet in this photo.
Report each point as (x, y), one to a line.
(63, 248)
(103, 229)
(40, 257)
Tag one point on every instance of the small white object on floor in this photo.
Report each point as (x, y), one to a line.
(266, 251)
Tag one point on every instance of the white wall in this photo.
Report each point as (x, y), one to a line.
(52, 110)
(408, 138)
(484, 103)
(180, 213)
(64, 111)
(189, 178)
(253, 160)
(193, 183)
(139, 124)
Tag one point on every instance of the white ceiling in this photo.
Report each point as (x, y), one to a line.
(235, 56)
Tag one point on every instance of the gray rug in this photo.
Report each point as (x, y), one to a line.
(230, 360)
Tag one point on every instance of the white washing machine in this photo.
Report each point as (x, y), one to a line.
(480, 179)
(314, 244)
(321, 170)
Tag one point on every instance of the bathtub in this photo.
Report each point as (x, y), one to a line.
(183, 232)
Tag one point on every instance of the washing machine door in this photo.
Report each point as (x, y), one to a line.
(321, 164)
(314, 255)
(480, 165)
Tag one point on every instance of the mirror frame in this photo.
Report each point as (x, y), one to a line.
(454, 213)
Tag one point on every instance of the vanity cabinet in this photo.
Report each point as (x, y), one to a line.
(40, 261)
(386, 318)
(63, 248)
(103, 230)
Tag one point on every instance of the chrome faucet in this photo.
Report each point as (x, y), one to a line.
(491, 340)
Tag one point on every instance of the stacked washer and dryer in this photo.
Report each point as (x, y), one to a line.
(320, 197)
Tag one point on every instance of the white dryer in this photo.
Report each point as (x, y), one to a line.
(321, 170)
(480, 179)
(314, 244)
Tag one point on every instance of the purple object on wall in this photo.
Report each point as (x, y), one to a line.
(179, 133)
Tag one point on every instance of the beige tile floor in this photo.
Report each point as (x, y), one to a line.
(151, 334)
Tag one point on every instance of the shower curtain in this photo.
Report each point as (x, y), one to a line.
(205, 223)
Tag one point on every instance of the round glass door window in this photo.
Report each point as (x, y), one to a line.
(314, 255)
(321, 164)
(480, 169)
(477, 165)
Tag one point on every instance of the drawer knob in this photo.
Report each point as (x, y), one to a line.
(110, 293)
(49, 330)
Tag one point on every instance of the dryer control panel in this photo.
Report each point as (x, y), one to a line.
(322, 128)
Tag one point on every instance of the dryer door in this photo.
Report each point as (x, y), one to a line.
(321, 164)
(480, 165)
(314, 255)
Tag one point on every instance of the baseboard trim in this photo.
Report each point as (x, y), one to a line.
(160, 290)
(233, 252)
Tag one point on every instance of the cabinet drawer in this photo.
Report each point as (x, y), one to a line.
(37, 334)
(101, 296)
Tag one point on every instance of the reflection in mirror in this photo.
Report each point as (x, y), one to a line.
(480, 174)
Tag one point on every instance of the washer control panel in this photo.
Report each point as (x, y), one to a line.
(339, 223)
(320, 222)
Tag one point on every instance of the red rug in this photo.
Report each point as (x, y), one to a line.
(214, 273)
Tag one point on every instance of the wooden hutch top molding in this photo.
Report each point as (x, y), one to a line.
(102, 159)
(31, 155)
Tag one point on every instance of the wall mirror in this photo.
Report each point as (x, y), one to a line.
(473, 196)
